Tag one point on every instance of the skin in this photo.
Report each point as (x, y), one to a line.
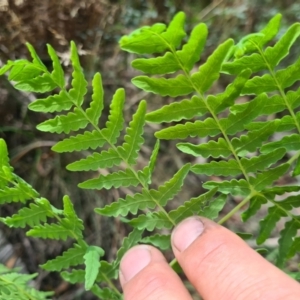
(217, 262)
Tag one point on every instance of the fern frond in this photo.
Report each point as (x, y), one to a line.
(235, 187)
(79, 83)
(174, 87)
(133, 138)
(185, 109)
(96, 106)
(214, 149)
(51, 231)
(254, 205)
(205, 128)
(290, 142)
(150, 221)
(281, 49)
(92, 265)
(57, 102)
(80, 142)
(170, 188)
(105, 159)
(71, 257)
(192, 206)
(31, 216)
(130, 204)
(58, 73)
(65, 123)
(209, 72)
(160, 241)
(116, 179)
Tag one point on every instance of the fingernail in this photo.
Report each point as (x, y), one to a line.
(186, 233)
(134, 261)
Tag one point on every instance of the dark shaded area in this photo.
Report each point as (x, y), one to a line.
(96, 26)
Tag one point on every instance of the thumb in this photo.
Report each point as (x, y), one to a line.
(222, 266)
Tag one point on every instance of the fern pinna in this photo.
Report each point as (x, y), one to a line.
(238, 148)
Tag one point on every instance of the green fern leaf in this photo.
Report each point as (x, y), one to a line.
(252, 42)
(6, 67)
(171, 188)
(133, 138)
(291, 142)
(205, 128)
(175, 31)
(65, 123)
(115, 122)
(96, 106)
(234, 187)
(92, 265)
(254, 139)
(255, 204)
(21, 192)
(267, 224)
(105, 159)
(57, 74)
(32, 216)
(185, 109)
(281, 49)
(293, 98)
(213, 210)
(76, 276)
(150, 221)
(262, 162)
(232, 92)
(35, 58)
(129, 204)
(53, 103)
(191, 207)
(145, 40)
(255, 62)
(159, 65)
(178, 86)
(260, 84)
(133, 238)
(219, 168)
(287, 77)
(40, 84)
(4, 159)
(268, 177)
(80, 142)
(209, 72)
(105, 293)
(20, 66)
(286, 240)
(212, 148)
(79, 83)
(152, 160)
(294, 247)
(286, 123)
(70, 213)
(235, 121)
(160, 241)
(192, 50)
(50, 231)
(71, 257)
(280, 190)
(117, 179)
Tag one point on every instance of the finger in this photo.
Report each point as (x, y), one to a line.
(145, 274)
(222, 266)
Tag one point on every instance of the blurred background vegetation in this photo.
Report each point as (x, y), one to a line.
(96, 26)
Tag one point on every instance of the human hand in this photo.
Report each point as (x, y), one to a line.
(217, 262)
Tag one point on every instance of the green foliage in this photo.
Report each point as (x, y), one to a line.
(238, 140)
